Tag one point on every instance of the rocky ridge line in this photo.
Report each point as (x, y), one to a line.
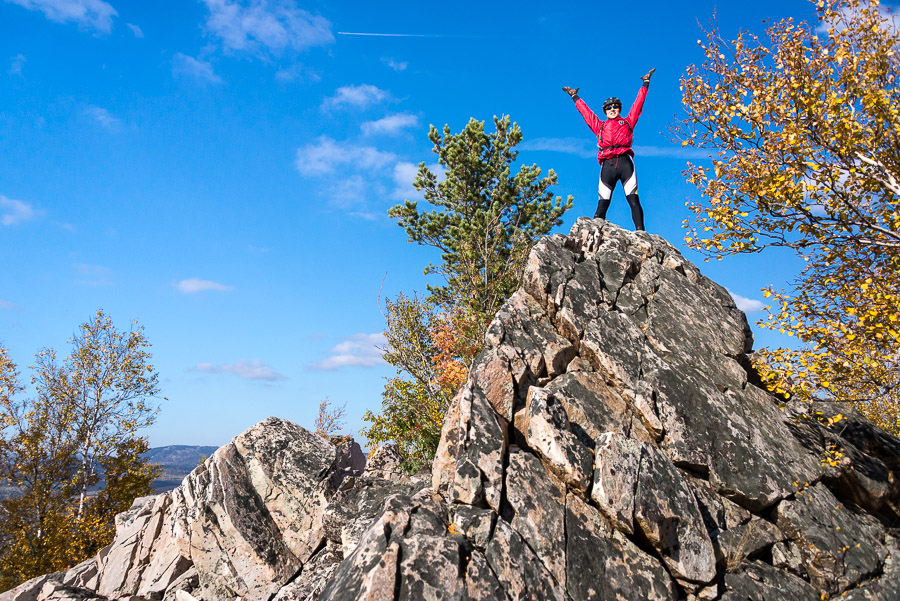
(611, 442)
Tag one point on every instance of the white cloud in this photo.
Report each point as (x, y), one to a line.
(672, 152)
(15, 211)
(192, 285)
(348, 192)
(395, 65)
(247, 370)
(359, 350)
(354, 194)
(405, 173)
(17, 64)
(587, 147)
(297, 72)
(266, 27)
(91, 15)
(390, 124)
(5, 305)
(189, 66)
(137, 31)
(582, 147)
(92, 275)
(747, 305)
(360, 97)
(325, 155)
(103, 117)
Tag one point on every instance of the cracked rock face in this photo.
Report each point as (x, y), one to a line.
(609, 444)
(637, 457)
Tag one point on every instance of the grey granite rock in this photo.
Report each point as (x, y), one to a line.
(537, 503)
(617, 464)
(761, 582)
(667, 514)
(518, 569)
(468, 467)
(837, 546)
(604, 564)
(611, 442)
(549, 433)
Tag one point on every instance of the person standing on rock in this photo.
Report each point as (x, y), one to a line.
(614, 138)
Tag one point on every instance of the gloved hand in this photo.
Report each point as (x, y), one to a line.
(571, 92)
(646, 78)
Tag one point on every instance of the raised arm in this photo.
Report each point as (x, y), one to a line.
(589, 117)
(638, 105)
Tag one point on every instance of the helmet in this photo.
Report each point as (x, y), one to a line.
(611, 102)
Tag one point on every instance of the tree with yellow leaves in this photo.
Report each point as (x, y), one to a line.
(803, 129)
(73, 450)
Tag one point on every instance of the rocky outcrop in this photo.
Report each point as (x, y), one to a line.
(611, 442)
(267, 516)
(615, 444)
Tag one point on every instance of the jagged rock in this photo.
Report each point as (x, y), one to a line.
(611, 442)
(27, 591)
(537, 503)
(408, 540)
(593, 408)
(617, 463)
(184, 584)
(56, 591)
(315, 575)
(752, 459)
(867, 473)
(743, 541)
(468, 466)
(761, 582)
(837, 547)
(666, 512)
(719, 514)
(603, 564)
(497, 378)
(519, 570)
(359, 499)
(883, 588)
(384, 463)
(242, 524)
(548, 432)
(474, 523)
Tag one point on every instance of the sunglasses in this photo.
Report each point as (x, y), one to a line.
(615, 106)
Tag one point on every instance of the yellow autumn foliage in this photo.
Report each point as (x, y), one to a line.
(72, 451)
(803, 131)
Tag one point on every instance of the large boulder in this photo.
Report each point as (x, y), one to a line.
(614, 443)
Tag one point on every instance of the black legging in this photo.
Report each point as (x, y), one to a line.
(619, 169)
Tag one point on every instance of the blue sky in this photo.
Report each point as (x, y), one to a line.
(220, 170)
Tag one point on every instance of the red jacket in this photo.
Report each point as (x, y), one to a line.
(614, 136)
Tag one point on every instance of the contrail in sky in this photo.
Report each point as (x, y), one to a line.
(408, 35)
(389, 35)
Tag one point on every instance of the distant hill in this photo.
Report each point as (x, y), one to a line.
(177, 461)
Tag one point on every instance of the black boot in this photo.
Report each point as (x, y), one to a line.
(637, 213)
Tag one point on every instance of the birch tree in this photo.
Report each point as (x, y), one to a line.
(803, 130)
(73, 450)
